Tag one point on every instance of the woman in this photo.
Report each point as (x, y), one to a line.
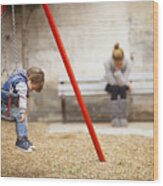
(117, 71)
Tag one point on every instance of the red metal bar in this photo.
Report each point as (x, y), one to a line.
(73, 81)
(3, 8)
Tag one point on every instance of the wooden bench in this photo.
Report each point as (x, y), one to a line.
(142, 83)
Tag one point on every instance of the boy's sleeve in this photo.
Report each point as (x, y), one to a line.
(109, 76)
(22, 92)
(123, 78)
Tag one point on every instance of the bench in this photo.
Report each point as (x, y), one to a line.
(142, 83)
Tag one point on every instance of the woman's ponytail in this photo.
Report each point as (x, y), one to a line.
(118, 53)
(116, 46)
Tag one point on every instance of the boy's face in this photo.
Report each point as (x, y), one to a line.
(32, 87)
(29, 85)
(35, 88)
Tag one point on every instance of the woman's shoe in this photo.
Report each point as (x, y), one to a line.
(116, 122)
(123, 122)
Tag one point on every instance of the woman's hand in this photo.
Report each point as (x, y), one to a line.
(129, 87)
(22, 118)
(118, 65)
(117, 68)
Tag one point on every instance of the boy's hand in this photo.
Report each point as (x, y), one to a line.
(22, 118)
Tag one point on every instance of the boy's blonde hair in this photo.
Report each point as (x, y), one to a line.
(36, 76)
(118, 53)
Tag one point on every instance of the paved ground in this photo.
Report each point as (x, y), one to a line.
(136, 128)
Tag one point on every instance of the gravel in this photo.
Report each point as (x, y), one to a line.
(72, 155)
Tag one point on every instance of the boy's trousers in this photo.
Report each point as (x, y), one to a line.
(21, 128)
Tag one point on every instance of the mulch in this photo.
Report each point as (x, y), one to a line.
(72, 155)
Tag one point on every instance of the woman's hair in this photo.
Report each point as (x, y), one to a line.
(118, 53)
(36, 76)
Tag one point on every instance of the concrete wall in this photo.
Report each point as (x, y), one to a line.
(89, 31)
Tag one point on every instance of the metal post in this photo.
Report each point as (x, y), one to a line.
(24, 53)
(3, 8)
(63, 105)
(73, 81)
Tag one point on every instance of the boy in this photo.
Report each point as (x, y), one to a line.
(22, 83)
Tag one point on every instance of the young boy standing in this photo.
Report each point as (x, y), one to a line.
(22, 83)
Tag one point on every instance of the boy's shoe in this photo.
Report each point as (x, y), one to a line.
(23, 144)
(116, 122)
(30, 143)
(124, 122)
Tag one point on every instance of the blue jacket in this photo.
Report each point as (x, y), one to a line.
(10, 85)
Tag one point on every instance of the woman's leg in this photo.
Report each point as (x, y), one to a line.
(123, 106)
(115, 106)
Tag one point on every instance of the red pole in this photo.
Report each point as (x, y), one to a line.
(3, 8)
(73, 81)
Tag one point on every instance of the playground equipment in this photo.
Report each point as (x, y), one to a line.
(75, 86)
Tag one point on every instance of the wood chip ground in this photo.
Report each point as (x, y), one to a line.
(72, 155)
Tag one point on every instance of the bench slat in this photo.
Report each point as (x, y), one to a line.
(101, 86)
(93, 93)
(133, 77)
